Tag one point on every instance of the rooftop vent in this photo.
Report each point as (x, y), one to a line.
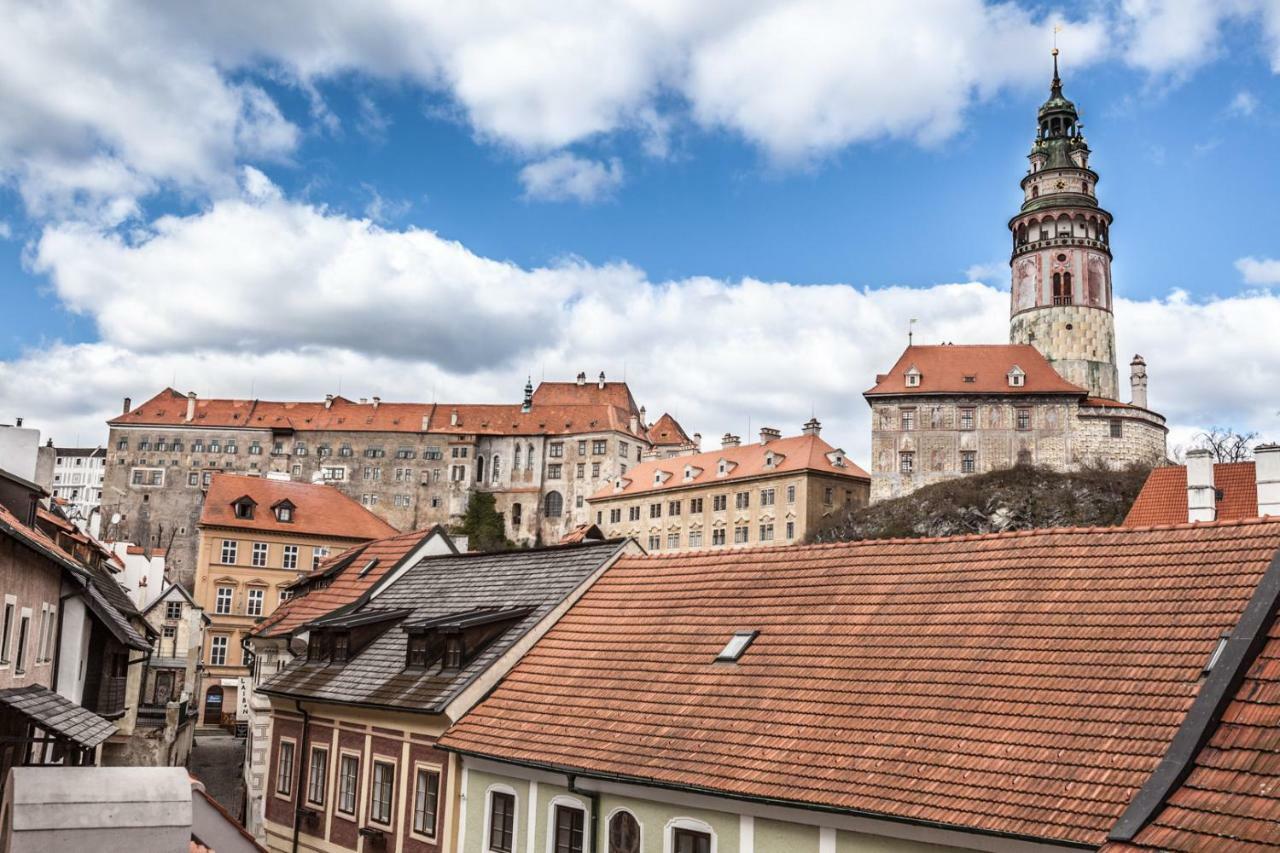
(1217, 653)
(737, 644)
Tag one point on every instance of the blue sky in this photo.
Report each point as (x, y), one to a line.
(620, 175)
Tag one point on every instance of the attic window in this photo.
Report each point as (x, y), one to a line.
(768, 460)
(913, 378)
(722, 468)
(736, 646)
(244, 509)
(341, 647)
(1217, 653)
(284, 513)
(453, 652)
(970, 378)
(1017, 378)
(368, 567)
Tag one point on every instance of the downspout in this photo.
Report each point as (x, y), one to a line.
(594, 797)
(297, 789)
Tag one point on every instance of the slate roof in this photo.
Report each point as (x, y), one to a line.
(1023, 684)
(440, 586)
(58, 714)
(1163, 499)
(943, 369)
(319, 510)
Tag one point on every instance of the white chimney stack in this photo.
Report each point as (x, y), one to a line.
(191, 406)
(812, 427)
(1202, 497)
(768, 434)
(582, 378)
(600, 383)
(453, 417)
(1138, 381)
(1266, 462)
(729, 440)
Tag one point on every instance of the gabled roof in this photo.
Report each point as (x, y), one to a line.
(55, 713)
(796, 453)
(615, 394)
(348, 583)
(943, 369)
(318, 510)
(667, 432)
(165, 594)
(536, 580)
(1025, 684)
(1163, 499)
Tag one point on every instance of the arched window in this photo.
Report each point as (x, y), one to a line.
(479, 469)
(1035, 191)
(517, 512)
(516, 465)
(554, 505)
(493, 469)
(1062, 288)
(528, 462)
(624, 833)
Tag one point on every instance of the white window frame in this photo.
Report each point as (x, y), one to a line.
(609, 819)
(438, 769)
(374, 760)
(232, 547)
(352, 815)
(260, 550)
(690, 823)
(8, 616)
(217, 600)
(261, 600)
(488, 816)
(573, 803)
(289, 558)
(324, 777)
(213, 647)
(293, 766)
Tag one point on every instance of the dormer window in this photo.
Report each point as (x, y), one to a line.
(722, 468)
(284, 512)
(1017, 378)
(341, 647)
(244, 508)
(768, 460)
(913, 377)
(453, 652)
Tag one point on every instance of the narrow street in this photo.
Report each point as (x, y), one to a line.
(217, 760)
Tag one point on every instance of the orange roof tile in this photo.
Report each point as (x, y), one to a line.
(347, 584)
(318, 510)
(616, 394)
(944, 368)
(540, 420)
(796, 453)
(1163, 499)
(1022, 683)
(666, 431)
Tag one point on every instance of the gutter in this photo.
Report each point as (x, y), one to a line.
(594, 797)
(302, 761)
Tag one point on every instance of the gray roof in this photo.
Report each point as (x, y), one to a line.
(439, 586)
(57, 714)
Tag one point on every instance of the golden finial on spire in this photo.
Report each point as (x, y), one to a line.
(1057, 84)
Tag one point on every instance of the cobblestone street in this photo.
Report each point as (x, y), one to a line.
(217, 761)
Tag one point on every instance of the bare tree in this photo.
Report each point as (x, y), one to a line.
(1226, 445)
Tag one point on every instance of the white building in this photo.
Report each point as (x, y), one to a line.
(77, 481)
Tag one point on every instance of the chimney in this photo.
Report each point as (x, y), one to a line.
(812, 427)
(697, 440)
(768, 434)
(191, 406)
(582, 377)
(1138, 381)
(600, 385)
(1202, 497)
(1266, 462)
(128, 405)
(644, 417)
(635, 425)
(17, 422)
(328, 401)
(376, 402)
(453, 417)
(729, 440)
(528, 392)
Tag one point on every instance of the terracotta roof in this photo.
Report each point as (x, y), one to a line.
(616, 394)
(539, 420)
(318, 510)
(944, 368)
(1163, 499)
(796, 453)
(1230, 801)
(1022, 683)
(666, 431)
(582, 533)
(348, 582)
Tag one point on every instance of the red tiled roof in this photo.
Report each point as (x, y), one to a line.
(318, 510)
(796, 453)
(540, 420)
(346, 586)
(616, 394)
(1022, 683)
(1230, 801)
(666, 431)
(943, 369)
(1163, 499)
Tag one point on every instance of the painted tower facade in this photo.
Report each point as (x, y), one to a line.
(1061, 295)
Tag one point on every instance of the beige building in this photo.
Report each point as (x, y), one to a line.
(771, 493)
(258, 535)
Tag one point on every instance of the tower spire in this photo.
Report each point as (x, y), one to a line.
(1055, 88)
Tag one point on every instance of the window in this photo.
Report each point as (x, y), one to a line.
(599, 447)
(502, 819)
(719, 503)
(230, 448)
(405, 453)
(259, 557)
(615, 515)
(742, 500)
(378, 452)
(193, 479)
(328, 474)
(695, 506)
(673, 540)
(828, 494)
(555, 449)
(581, 470)
(255, 448)
(966, 419)
(257, 595)
(736, 646)
(452, 653)
(695, 538)
(290, 558)
(24, 628)
(516, 512)
(690, 841)
(244, 509)
(318, 553)
(655, 510)
(426, 800)
(341, 647)
(741, 534)
(624, 833)
(717, 536)
(284, 513)
(968, 461)
(1117, 428)
(595, 470)
(229, 547)
(633, 513)
(553, 471)
(791, 530)
(582, 447)
(908, 419)
(317, 770)
(222, 603)
(568, 830)
(218, 650)
(284, 769)
(380, 792)
(906, 462)
(655, 542)
(970, 378)
(766, 533)
(554, 505)
(173, 610)
(1024, 419)
(348, 782)
(766, 497)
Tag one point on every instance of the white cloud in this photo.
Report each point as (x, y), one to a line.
(6, 231)
(992, 272)
(565, 177)
(292, 300)
(1243, 105)
(1259, 270)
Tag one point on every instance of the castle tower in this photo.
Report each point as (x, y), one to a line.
(1061, 264)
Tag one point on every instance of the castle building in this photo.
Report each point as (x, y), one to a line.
(413, 464)
(1051, 395)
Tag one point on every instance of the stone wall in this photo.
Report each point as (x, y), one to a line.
(1078, 340)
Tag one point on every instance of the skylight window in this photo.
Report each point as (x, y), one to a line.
(368, 567)
(1217, 653)
(736, 646)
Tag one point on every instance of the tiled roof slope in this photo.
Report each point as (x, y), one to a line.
(666, 431)
(1230, 801)
(943, 369)
(56, 713)
(796, 453)
(319, 510)
(1020, 683)
(1163, 499)
(616, 394)
(440, 586)
(539, 420)
(347, 585)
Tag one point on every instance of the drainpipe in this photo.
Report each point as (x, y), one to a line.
(594, 797)
(297, 788)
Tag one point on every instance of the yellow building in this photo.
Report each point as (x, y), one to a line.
(257, 535)
(772, 493)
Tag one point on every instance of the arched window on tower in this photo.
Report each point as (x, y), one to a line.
(554, 505)
(1035, 191)
(1062, 288)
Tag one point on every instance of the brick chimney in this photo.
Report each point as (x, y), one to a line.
(1202, 497)
(128, 406)
(1266, 462)
(812, 427)
(768, 434)
(729, 440)
(1138, 381)
(191, 406)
